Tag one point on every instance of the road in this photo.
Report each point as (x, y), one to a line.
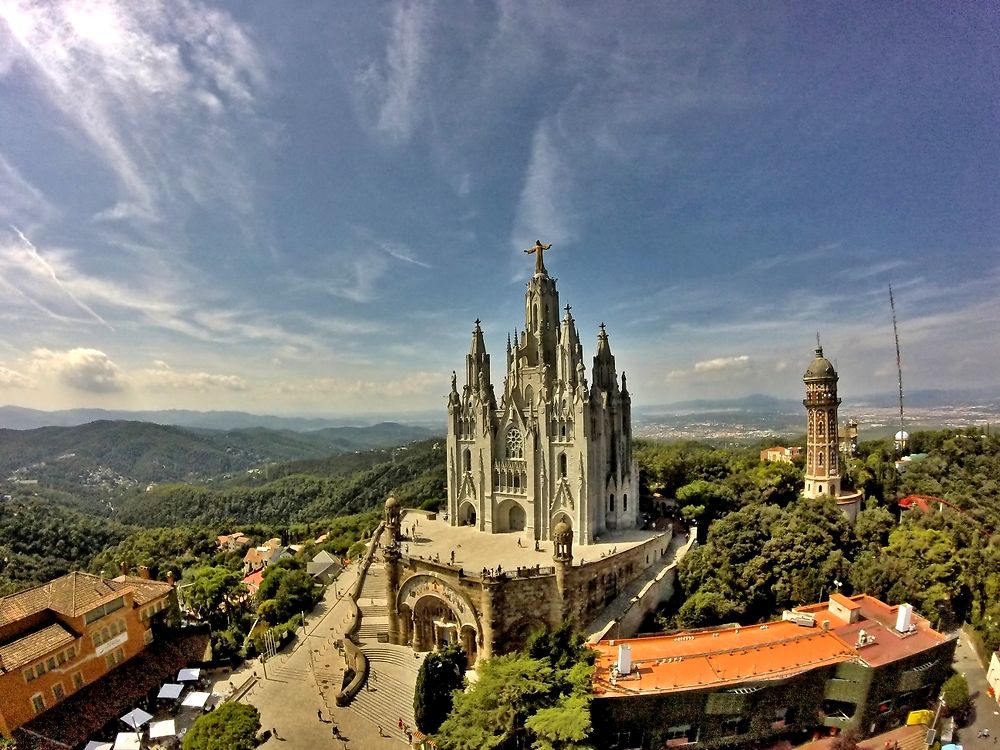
(985, 714)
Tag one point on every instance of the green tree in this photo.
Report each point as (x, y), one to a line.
(492, 713)
(955, 691)
(214, 590)
(564, 726)
(440, 675)
(231, 726)
(540, 697)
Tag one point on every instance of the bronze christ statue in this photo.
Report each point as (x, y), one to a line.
(538, 250)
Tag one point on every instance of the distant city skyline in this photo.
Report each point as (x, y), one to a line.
(302, 208)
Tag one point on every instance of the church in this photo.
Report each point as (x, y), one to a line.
(544, 468)
(555, 448)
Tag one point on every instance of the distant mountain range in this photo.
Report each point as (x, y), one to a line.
(108, 454)
(20, 418)
(758, 402)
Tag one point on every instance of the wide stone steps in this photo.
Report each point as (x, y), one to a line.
(388, 694)
(371, 628)
(374, 610)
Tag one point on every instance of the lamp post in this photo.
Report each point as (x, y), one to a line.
(932, 732)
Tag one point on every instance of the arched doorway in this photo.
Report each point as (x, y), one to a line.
(516, 518)
(435, 624)
(467, 514)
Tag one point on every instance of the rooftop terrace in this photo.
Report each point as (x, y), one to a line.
(734, 655)
(474, 550)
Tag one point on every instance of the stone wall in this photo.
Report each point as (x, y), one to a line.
(507, 606)
(593, 585)
(655, 593)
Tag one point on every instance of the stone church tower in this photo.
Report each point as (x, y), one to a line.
(822, 443)
(554, 449)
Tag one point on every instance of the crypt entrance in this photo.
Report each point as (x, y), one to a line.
(433, 615)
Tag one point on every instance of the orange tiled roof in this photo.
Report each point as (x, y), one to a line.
(254, 579)
(716, 657)
(34, 646)
(71, 594)
(146, 590)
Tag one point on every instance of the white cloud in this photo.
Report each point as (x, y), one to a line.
(83, 369)
(728, 364)
(415, 384)
(161, 376)
(395, 85)
(13, 379)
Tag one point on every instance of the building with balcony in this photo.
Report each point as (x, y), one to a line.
(68, 633)
(852, 662)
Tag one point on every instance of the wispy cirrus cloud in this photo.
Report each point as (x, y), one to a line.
(392, 88)
(149, 87)
(44, 268)
(544, 209)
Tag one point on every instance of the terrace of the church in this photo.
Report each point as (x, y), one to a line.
(428, 537)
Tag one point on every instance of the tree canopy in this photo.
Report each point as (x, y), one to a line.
(538, 697)
(231, 726)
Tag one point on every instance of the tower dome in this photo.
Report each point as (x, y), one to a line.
(820, 367)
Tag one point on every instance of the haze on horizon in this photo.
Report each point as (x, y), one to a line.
(301, 208)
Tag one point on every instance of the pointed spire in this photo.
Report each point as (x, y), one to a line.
(477, 372)
(605, 376)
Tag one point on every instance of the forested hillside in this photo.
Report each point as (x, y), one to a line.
(763, 553)
(416, 475)
(46, 532)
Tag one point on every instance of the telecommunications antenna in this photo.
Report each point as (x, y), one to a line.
(899, 364)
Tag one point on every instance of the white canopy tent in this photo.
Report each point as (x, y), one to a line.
(196, 700)
(165, 728)
(188, 675)
(127, 741)
(170, 691)
(136, 718)
(99, 745)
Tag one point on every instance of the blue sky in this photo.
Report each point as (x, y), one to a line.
(302, 207)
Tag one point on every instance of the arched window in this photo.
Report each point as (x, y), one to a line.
(819, 489)
(517, 481)
(625, 502)
(515, 444)
(562, 430)
(467, 460)
(819, 457)
(611, 503)
(562, 465)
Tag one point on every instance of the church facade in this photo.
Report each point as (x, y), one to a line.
(554, 448)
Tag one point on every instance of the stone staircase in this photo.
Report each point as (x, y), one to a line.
(388, 694)
(371, 602)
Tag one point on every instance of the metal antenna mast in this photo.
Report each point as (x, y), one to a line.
(899, 364)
